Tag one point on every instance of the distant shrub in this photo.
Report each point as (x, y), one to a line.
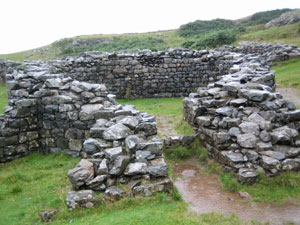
(212, 40)
(204, 26)
(116, 44)
(264, 17)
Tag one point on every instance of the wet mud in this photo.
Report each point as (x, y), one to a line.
(204, 194)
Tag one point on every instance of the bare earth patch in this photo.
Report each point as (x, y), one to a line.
(291, 94)
(165, 125)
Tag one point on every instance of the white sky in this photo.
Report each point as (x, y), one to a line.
(27, 24)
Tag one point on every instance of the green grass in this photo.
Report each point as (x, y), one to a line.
(35, 183)
(196, 150)
(279, 189)
(3, 97)
(288, 73)
(183, 128)
(157, 106)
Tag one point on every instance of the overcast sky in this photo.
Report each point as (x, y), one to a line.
(27, 24)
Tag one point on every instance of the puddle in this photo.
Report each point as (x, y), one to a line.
(204, 195)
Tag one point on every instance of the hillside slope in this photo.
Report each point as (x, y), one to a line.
(247, 29)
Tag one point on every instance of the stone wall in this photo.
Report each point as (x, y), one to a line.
(268, 52)
(244, 123)
(54, 113)
(4, 68)
(146, 74)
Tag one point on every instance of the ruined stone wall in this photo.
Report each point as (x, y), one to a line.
(146, 74)
(269, 52)
(244, 123)
(54, 113)
(4, 68)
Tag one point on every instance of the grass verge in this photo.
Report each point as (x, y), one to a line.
(157, 106)
(288, 73)
(279, 189)
(37, 182)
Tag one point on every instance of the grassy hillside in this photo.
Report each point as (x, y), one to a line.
(194, 35)
(130, 42)
(287, 34)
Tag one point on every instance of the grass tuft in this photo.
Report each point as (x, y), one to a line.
(229, 182)
(180, 152)
(183, 128)
(16, 189)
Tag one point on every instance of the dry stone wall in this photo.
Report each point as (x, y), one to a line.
(54, 113)
(5, 65)
(244, 123)
(146, 74)
(55, 105)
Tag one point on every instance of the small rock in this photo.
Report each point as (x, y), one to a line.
(245, 195)
(47, 215)
(247, 140)
(112, 153)
(119, 165)
(247, 176)
(136, 169)
(81, 199)
(116, 132)
(113, 194)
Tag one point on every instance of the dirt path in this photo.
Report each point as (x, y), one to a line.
(204, 195)
(291, 94)
(165, 125)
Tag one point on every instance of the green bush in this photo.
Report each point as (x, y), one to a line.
(212, 40)
(264, 17)
(204, 26)
(116, 44)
